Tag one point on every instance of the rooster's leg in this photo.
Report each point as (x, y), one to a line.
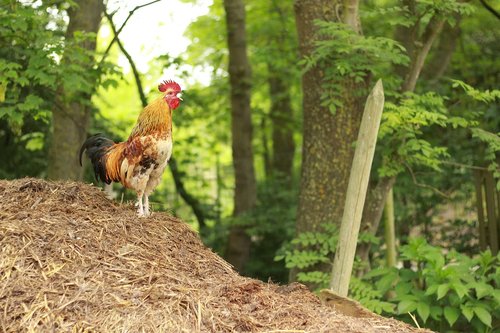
(140, 210)
(146, 205)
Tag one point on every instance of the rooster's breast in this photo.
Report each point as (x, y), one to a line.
(164, 149)
(144, 169)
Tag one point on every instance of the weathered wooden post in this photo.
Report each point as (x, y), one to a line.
(356, 191)
(390, 232)
(489, 190)
(478, 181)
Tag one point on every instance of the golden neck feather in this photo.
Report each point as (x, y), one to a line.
(155, 118)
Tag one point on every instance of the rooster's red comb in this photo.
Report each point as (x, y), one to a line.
(169, 84)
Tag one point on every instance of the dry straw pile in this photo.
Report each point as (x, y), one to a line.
(72, 260)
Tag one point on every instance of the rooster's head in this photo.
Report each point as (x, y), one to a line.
(171, 90)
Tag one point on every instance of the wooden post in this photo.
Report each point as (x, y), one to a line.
(356, 191)
(478, 181)
(390, 233)
(491, 212)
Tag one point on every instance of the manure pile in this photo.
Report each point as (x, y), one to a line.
(72, 260)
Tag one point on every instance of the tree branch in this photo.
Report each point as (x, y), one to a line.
(490, 9)
(437, 66)
(176, 174)
(117, 33)
(130, 60)
(188, 198)
(425, 185)
(466, 166)
(431, 32)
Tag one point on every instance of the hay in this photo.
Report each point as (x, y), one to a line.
(72, 260)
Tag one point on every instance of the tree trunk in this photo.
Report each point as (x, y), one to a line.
(328, 138)
(71, 118)
(266, 154)
(282, 125)
(245, 193)
(281, 113)
(442, 56)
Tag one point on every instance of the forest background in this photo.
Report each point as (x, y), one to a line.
(273, 96)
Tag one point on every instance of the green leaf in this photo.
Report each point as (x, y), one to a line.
(436, 312)
(406, 306)
(460, 289)
(451, 314)
(483, 315)
(442, 290)
(385, 283)
(467, 312)
(431, 290)
(483, 289)
(403, 288)
(496, 295)
(279, 257)
(423, 311)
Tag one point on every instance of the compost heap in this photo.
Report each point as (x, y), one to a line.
(73, 260)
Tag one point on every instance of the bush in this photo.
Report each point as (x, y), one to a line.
(447, 291)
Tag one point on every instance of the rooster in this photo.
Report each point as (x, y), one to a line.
(139, 162)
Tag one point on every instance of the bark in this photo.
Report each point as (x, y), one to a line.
(282, 125)
(351, 15)
(266, 154)
(407, 36)
(71, 119)
(245, 193)
(328, 138)
(281, 112)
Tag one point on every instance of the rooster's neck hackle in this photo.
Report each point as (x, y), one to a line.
(155, 119)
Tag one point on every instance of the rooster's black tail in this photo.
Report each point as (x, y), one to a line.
(97, 146)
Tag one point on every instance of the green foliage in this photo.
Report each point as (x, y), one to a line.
(370, 296)
(309, 249)
(345, 54)
(491, 140)
(487, 96)
(403, 137)
(404, 16)
(37, 62)
(445, 290)
(27, 62)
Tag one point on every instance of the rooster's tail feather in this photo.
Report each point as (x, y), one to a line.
(97, 147)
